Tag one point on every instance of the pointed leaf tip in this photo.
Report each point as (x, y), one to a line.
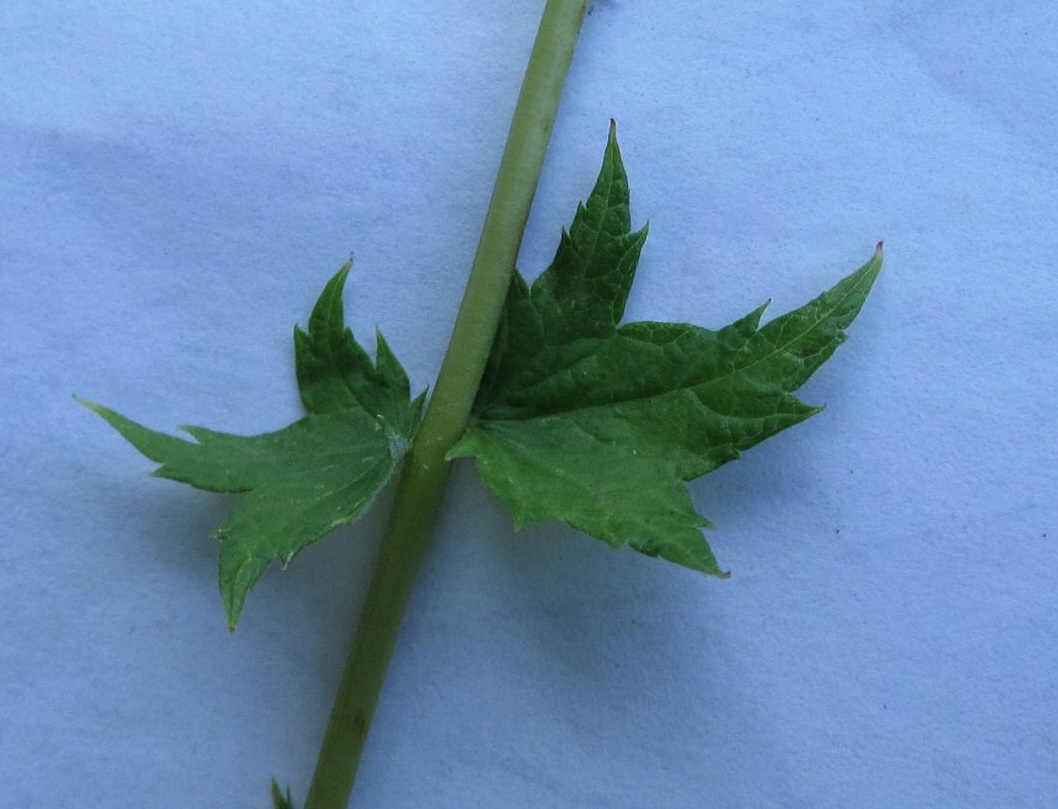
(335, 372)
(279, 800)
(612, 148)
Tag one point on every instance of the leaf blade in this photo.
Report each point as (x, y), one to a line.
(662, 403)
(301, 482)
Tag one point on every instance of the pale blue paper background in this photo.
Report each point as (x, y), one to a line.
(177, 181)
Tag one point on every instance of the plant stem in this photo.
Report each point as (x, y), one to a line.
(425, 468)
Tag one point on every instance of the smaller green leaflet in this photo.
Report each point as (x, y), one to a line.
(310, 477)
(600, 425)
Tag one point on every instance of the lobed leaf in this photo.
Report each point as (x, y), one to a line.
(303, 481)
(599, 425)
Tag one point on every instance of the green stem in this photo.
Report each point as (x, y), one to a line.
(425, 468)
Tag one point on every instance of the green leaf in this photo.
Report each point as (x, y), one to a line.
(599, 425)
(303, 481)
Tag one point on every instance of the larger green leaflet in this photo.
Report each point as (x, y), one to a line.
(577, 419)
(599, 425)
